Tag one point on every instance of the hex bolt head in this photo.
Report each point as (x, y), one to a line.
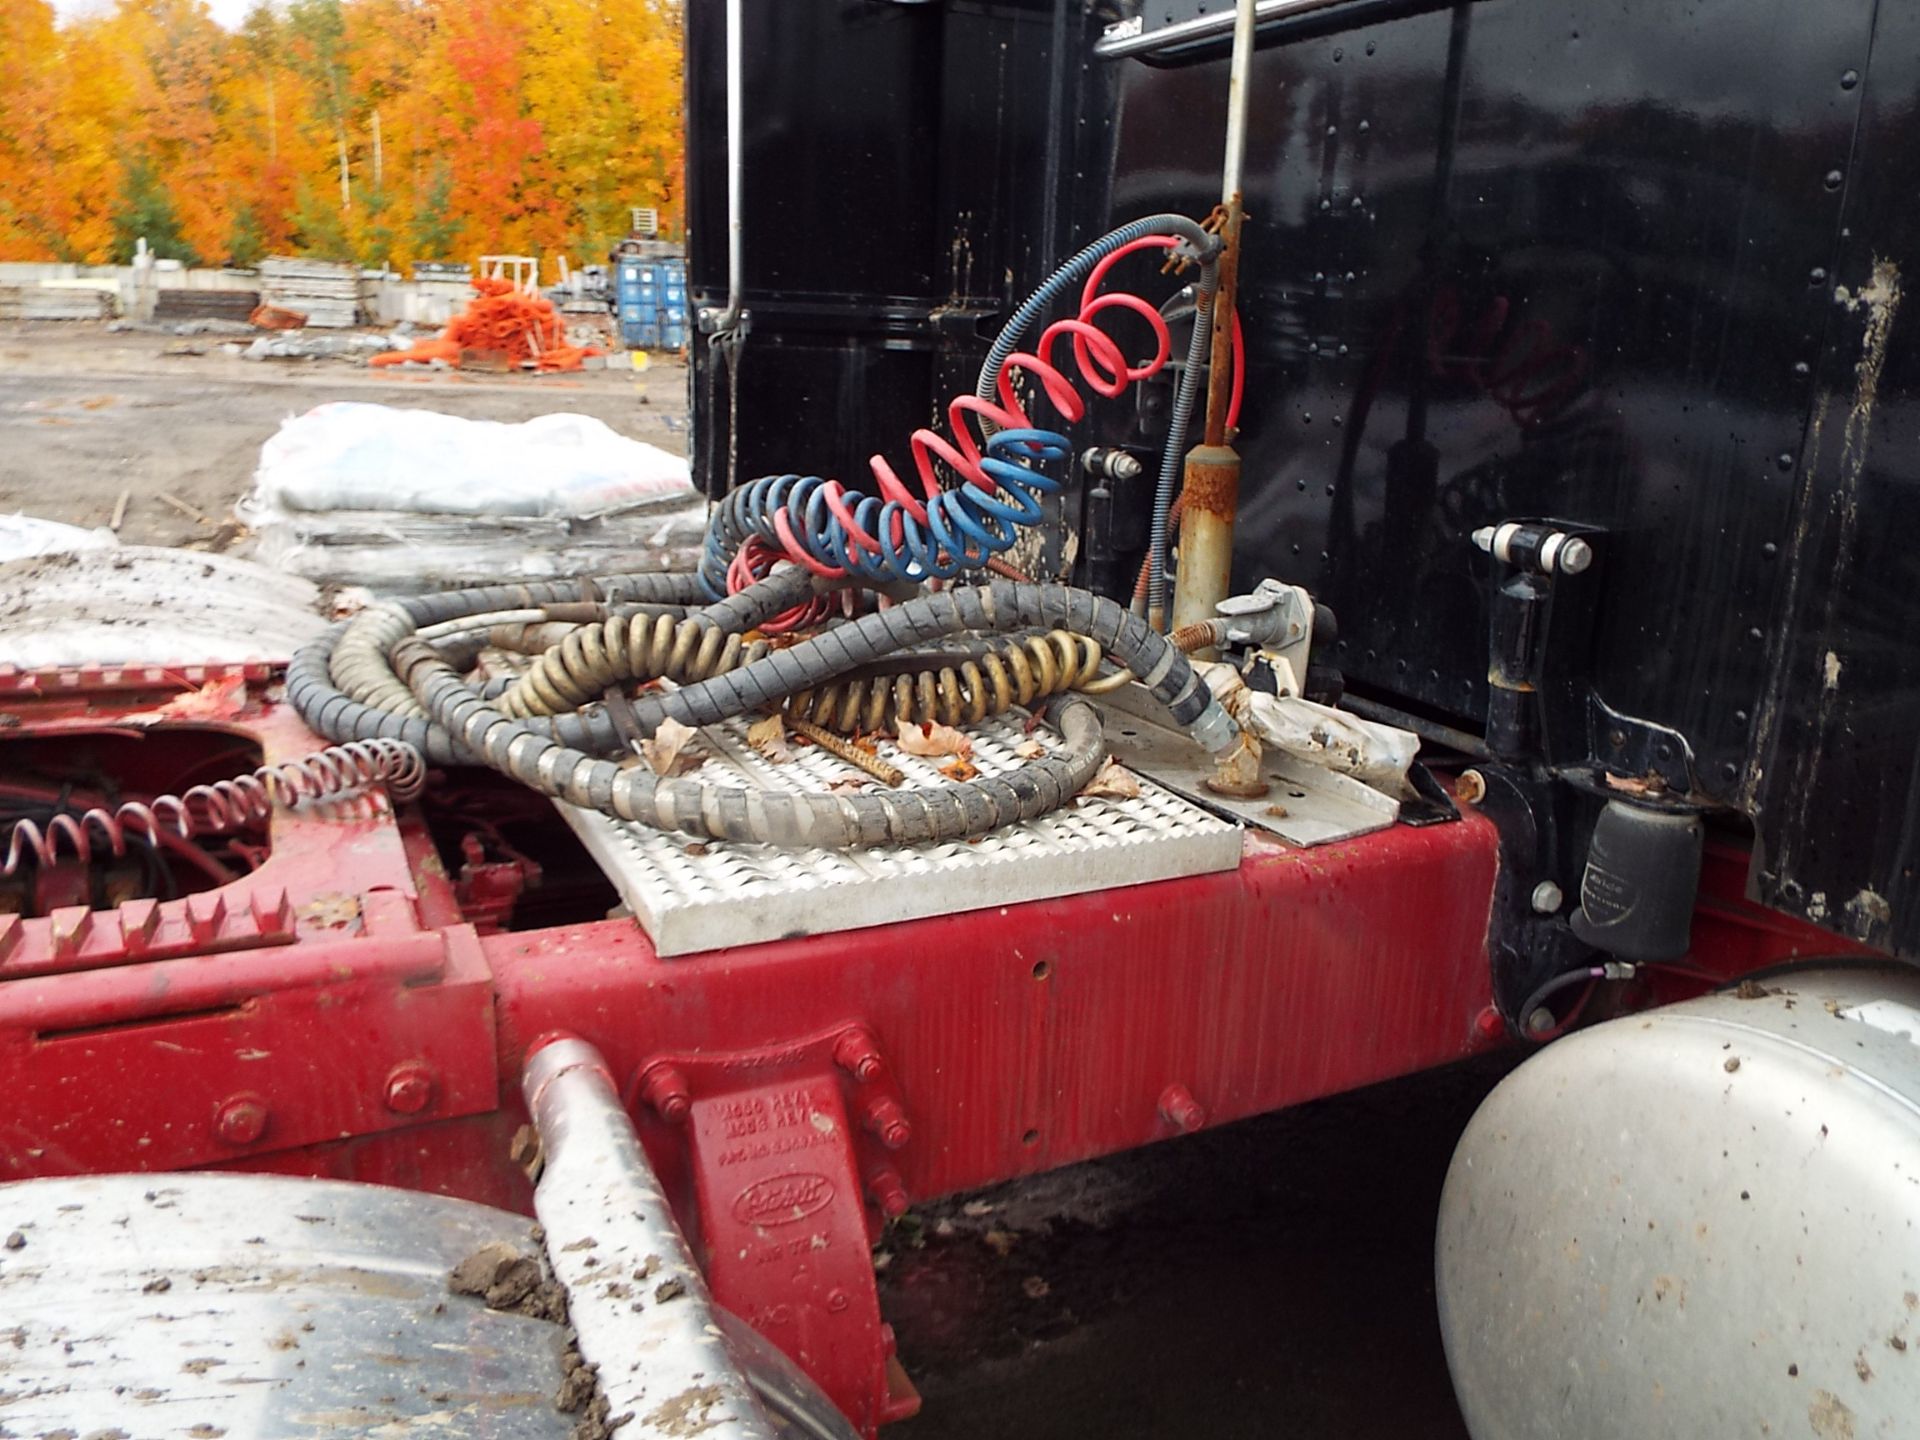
(888, 1122)
(240, 1121)
(1575, 556)
(665, 1089)
(889, 1194)
(856, 1053)
(1490, 1024)
(1547, 898)
(409, 1088)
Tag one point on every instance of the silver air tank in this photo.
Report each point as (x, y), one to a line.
(1703, 1221)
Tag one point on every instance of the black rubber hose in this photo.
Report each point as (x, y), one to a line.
(1002, 606)
(788, 818)
(458, 724)
(312, 683)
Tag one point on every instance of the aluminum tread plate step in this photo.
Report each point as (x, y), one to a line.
(692, 896)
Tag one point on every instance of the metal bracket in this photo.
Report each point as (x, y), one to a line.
(1643, 749)
(785, 1145)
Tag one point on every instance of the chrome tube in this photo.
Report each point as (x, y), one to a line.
(637, 1300)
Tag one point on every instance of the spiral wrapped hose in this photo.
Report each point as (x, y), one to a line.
(951, 689)
(459, 722)
(595, 658)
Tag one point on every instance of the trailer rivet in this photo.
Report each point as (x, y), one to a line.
(1547, 898)
(1471, 788)
(409, 1088)
(1181, 1110)
(241, 1121)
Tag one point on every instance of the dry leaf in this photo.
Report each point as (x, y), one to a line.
(955, 768)
(846, 785)
(1279, 812)
(1114, 781)
(769, 737)
(929, 738)
(667, 753)
(1030, 750)
(215, 700)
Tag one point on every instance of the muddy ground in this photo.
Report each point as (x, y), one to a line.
(86, 413)
(1273, 1278)
(1268, 1279)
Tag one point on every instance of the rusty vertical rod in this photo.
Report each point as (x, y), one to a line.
(1212, 488)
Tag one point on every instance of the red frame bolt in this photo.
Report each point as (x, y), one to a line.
(888, 1193)
(1490, 1024)
(240, 1121)
(856, 1053)
(1181, 1110)
(409, 1088)
(888, 1122)
(665, 1089)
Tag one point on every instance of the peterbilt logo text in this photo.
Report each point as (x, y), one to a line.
(783, 1199)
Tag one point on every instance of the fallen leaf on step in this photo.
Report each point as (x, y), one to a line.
(667, 751)
(1030, 750)
(769, 737)
(846, 785)
(1113, 782)
(929, 738)
(956, 768)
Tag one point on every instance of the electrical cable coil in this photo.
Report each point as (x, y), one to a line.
(224, 805)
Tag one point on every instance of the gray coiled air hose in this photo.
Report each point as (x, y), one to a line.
(463, 723)
(344, 683)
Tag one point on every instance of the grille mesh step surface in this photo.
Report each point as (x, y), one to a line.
(692, 896)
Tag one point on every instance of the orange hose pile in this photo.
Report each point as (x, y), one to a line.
(500, 322)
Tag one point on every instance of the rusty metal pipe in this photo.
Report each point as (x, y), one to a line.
(1212, 487)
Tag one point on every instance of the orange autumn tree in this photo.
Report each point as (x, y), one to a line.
(383, 131)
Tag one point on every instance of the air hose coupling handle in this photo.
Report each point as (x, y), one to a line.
(1214, 730)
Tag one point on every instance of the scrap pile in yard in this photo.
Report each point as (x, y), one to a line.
(501, 327)
(324, 294)
(55, 302)
(196, 304)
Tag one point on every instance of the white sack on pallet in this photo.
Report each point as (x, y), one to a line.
(412, 499)
(350, 456)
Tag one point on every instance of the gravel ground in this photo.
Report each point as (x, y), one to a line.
(86, 413)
